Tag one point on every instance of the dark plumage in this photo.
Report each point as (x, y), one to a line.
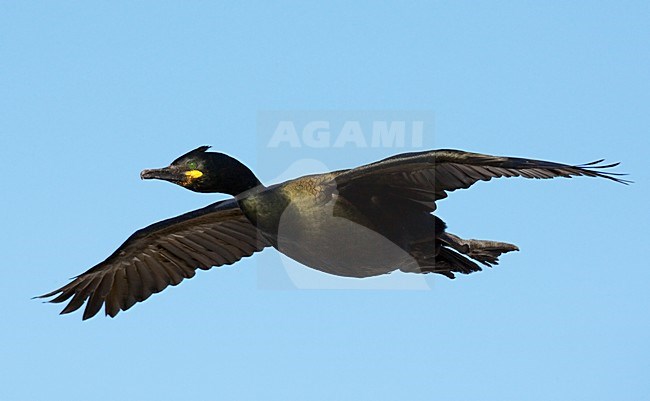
(361, 222)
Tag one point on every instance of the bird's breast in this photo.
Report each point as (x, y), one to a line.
(324, 231)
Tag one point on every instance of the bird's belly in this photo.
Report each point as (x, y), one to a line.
(323, 240)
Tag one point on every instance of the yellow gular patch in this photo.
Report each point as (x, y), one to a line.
(192, 174)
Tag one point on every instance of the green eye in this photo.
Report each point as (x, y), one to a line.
(191, 165)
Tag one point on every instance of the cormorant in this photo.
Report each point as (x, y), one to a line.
(360, 222)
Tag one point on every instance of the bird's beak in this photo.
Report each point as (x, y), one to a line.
(165, 173)
(171, 174)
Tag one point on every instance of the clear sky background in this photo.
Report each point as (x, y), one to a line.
(94, 93)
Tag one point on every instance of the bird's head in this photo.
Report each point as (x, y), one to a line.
(202, 171)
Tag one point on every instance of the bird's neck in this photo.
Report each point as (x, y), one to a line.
(244, 184)
(240, 178)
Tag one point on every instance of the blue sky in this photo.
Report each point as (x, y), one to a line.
(94, 93)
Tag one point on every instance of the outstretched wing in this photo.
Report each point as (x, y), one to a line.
(425, 177)
(160, 255)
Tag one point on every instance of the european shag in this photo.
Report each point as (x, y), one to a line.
(360, 222)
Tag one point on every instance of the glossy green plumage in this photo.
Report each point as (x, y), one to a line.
(361, 222)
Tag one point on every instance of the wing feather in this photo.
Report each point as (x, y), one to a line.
(113, 301)
(161, 255)
(426, 177)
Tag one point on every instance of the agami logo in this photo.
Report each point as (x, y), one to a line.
(350, 133)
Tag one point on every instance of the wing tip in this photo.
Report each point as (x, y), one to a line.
(595, 169)
(49, 294)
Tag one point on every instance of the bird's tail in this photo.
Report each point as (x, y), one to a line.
(486, 252)
(445, 255)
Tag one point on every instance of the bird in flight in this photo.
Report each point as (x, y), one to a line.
(360, 222)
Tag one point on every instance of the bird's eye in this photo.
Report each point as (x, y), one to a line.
(191, 165)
